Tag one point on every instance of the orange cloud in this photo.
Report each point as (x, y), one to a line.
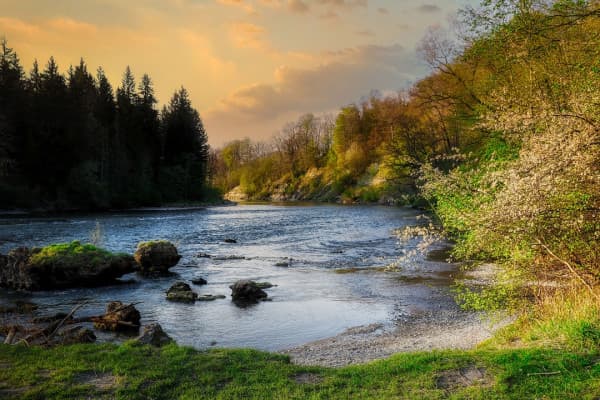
(238, 3)
(248, 35)
(260, 109)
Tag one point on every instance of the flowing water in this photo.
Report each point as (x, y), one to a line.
(334, 279)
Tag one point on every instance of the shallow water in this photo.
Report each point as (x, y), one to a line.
(311, 301)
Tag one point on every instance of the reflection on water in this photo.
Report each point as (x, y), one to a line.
(309, 302)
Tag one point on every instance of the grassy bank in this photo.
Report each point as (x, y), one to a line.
(139, 372)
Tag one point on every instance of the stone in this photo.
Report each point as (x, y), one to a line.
(229, 240)
(154, 335)
(76, 334)
(119, 317)
(62, 266)
(246, 290)
(199, 281)
(181, 292)
(264, 285)
(156, 256)
(210, 297)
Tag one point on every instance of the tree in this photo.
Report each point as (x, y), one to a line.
(185, 146)
(12, 96)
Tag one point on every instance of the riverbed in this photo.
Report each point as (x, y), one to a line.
(327, 262)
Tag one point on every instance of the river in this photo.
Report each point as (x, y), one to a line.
(334, 280)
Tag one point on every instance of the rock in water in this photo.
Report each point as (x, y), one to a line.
(156, 256)
(154, 336)
(182, 292)
(230, 240)
(246, 290)
(199, 281)
(210, 297)
(62, 266)
(265, 285)
(119, 317)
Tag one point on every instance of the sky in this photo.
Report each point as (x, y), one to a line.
(250, 66)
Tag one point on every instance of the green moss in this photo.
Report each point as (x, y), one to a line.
(152, 243)
(72, 254)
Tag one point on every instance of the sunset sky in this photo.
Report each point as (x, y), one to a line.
(249, 65)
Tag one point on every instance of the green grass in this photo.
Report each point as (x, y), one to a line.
(175, 372)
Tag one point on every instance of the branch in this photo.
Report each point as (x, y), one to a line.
(61, 323)
(577, 275)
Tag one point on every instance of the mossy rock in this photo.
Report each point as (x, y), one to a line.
(181, 292)
(61, 266)
(156, 256)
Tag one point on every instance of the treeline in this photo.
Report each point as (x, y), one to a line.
(338, 157)
(502, 140)
(72, 142)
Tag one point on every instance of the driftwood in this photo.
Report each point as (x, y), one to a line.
(11, 335)
(118, 317)
(62, 322)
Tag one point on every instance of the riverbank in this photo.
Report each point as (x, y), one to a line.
(139, 372)
(449, 330)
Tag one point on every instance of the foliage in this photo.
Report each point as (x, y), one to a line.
(71, 142)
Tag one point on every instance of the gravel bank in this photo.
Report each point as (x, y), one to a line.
(457, 330)
(438, 327)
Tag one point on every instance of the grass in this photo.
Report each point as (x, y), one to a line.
(130, 371)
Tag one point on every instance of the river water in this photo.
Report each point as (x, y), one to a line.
(334, 280)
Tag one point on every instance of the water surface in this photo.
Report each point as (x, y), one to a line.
(311, 300)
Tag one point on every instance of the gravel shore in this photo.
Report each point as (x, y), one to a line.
(442, 326)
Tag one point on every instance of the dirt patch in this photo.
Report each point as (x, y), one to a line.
(463, 377)
(100, 380)
(307, 378)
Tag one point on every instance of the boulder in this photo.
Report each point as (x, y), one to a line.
(118, 317)
(181, 292)
(199, 281)
(210, 297)
(229, 240)
(62, 266)
(156, 256)
(265, 285)
(75, 334)
(246, 290)
(154, 335)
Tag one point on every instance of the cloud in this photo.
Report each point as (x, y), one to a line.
(298, 6)
(428, 8)
(343, 3)
(246, 35)
(329, 15)
(259, 110)
(366, 33)
(246, 6)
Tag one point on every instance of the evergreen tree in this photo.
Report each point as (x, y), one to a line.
(70, 142)
(12, 97)
(186, 145)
